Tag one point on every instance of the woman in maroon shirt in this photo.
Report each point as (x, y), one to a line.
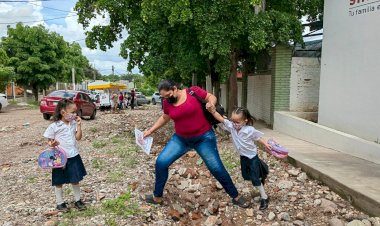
(192, 131)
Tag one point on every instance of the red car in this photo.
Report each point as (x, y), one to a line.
(85, 105)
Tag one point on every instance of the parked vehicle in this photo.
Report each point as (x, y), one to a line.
(141, 99)
(85, 106)
(103, 98)
(3, 101)
(156, 98)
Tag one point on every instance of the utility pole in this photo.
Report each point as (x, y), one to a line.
(73, 77)
(14, 91)
(113, 70)
(93, 72)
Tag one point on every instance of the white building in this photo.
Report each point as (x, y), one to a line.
(349, 93)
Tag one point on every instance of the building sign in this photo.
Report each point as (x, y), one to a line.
(363, 7)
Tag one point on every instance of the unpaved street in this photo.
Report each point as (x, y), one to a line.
(119, 173)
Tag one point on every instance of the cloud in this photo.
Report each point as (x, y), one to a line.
(11, 13)
(70, 29)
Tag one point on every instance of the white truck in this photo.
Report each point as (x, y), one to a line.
(104, 97)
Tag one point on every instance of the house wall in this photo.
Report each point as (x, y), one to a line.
(223, 95)
(350, 74)
(304, 84)
(259, 97)
(280, 84)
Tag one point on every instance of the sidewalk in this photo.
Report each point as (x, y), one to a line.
(356, 180)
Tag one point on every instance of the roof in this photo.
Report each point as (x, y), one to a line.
(309, 49)
(99, 84)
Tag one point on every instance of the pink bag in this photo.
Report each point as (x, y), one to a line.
(52, 157)
(278, 150)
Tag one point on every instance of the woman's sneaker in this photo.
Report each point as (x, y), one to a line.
(62, 207)
(80, 205)
(241, 202)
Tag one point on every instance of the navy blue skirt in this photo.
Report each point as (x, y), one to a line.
(73, 172)
(254, 170)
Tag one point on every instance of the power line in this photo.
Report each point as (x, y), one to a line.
(53, 8)
(24, 22)
(28, 1)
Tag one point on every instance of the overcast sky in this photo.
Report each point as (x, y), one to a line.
(67, 26)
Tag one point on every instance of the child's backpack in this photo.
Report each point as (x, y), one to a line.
(278, 150)
(52, 157)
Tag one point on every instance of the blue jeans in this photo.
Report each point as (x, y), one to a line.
(205, 146)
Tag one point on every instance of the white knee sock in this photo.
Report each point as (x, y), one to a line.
(76, 190)
(262, 191)
(59, 195)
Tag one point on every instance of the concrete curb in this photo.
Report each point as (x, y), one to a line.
(357, 199)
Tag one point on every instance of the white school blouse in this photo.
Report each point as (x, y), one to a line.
(65, 135)
(244, 140)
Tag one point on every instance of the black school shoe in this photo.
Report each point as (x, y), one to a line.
(80, 205)
(62, 207)
(264, 203)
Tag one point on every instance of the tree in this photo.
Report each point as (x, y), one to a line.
(6, 73)
(74, 59)
(36, 55)
(177, 38)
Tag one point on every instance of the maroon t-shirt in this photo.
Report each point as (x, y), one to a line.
(189, 120)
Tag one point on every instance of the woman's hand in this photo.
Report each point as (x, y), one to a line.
(210, 107)
(147, 133)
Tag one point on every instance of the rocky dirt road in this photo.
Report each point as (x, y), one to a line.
(119, 173)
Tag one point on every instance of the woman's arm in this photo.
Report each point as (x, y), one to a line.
(211, 102)
(161, 121)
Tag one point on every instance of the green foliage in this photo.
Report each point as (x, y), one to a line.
(114, 177)
(35, 54)
(131, 162)
(41, 58)
(99, 144)
(31, 179)
(121, 206)
(229, 159)
(174, 39)
(6, 73)
(93, 129)
(88, 212)
(74, 59)
(98, 163)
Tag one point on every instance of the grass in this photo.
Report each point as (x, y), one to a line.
(93, 129)
(121, 206)
(67, 191)
(123, 152)
(12, 102)
(130, 163)
(116, 140)
(33, 104)
(230, 161)
(110, 221)
(88, 212)
(31, 179)
(114, 177)
(98, 163)
(99, 144)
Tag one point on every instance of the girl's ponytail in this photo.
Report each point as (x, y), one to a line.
(246, 115)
